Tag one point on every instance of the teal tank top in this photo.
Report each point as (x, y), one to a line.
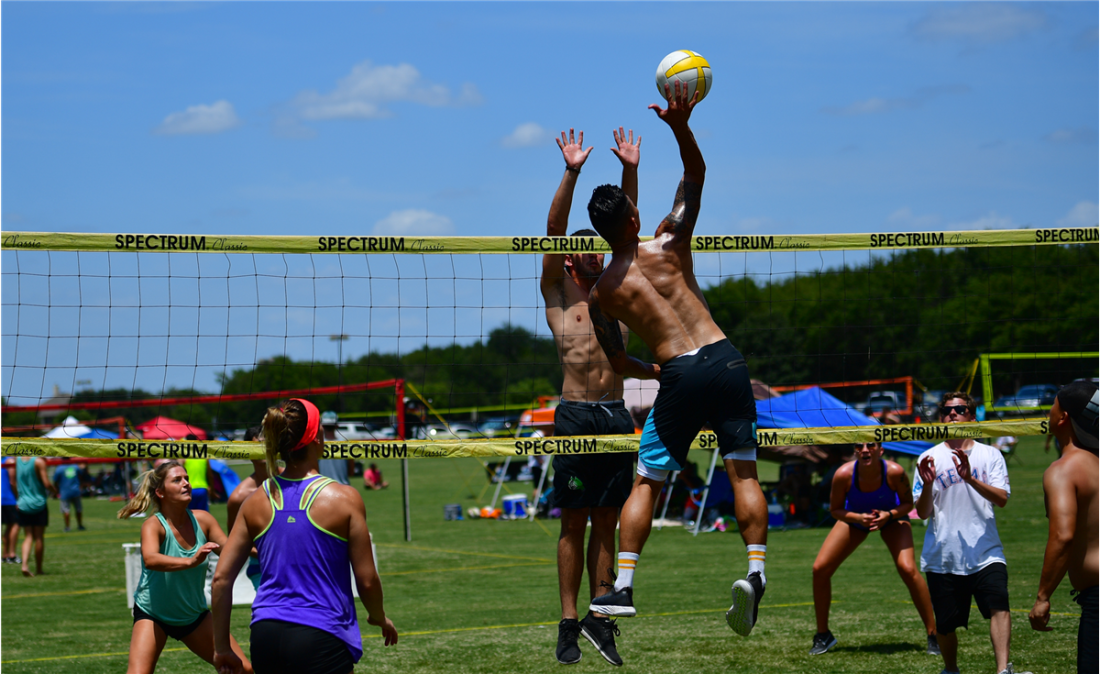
(32, 493)
(174, 597)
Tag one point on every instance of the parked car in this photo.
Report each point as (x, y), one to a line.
(354, 430)
(499, 427)
(458, 430)
(1030, 396)
(929, 407)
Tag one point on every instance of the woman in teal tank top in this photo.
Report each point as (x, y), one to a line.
(32, 482)
(170, 600)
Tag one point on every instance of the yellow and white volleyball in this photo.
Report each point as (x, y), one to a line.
(689, 68)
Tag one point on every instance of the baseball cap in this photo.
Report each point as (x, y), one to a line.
(1081, 401)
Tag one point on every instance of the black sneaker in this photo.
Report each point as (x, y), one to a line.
(619, 604)
(933, 645)
(823, 641)
(601, 633)
(568, 652)
(746, 601)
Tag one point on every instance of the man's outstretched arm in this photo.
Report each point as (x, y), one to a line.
(685, 208)
(557, 222)
(1061, 503)
(611, 341)
(629, 153)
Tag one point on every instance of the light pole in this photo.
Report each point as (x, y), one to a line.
(339, 339)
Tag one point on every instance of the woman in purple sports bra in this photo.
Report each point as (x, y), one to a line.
(306, 529)
(869, 494)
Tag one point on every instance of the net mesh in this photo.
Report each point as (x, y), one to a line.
(884, 331)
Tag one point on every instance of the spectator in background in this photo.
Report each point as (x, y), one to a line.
(1070, 488)
(372, 478)
(197, 475)
(10, 519)
(67, 479)
(957, 484)
(33, 485)
(337, 469)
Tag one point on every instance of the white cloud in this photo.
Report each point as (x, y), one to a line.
(200, 119)
(904, 218)
(367, 90)
(526, 135)
(1084, 214)
(873, 106)
(414, 222)
(988, 221)
(1079, 136)
(979, 23)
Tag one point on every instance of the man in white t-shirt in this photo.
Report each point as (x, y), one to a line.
(956, 485)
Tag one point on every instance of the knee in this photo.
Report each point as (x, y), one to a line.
(823, 571)
(908, 571)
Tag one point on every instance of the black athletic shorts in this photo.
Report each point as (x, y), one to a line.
(709, 387)
(599, 480)
(9, 515)
(38, 519)
(280, 647)
(177, 632)
(951, 595)
(1087, 658)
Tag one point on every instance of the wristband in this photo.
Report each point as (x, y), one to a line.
(574, 170)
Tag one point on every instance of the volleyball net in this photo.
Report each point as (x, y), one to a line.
(414, 342)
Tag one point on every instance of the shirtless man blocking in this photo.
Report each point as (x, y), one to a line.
(1070, 486)
(651, 287)
(593, 486)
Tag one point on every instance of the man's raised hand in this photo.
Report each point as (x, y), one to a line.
(573, 150)
(679, 105)
(628, 152)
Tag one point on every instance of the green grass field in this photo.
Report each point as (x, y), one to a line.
(481, 595)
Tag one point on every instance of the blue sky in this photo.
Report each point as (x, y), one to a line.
(422, 118)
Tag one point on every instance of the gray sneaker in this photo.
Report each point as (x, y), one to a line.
(1009, 670)
(933, 645)
(823, 641)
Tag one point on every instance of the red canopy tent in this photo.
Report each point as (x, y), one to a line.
(163, 428)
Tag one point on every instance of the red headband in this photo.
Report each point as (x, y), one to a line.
(313, 423)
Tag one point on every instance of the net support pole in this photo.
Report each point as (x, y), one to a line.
(405, 489)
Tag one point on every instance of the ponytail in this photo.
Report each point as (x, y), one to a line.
(146, 494)
(283, 428)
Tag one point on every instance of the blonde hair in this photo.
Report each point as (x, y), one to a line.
(146, 494)
(283, 428)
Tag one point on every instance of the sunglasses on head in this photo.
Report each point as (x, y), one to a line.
(958, 409)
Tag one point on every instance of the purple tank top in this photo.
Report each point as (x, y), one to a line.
(306, 576)
(883, 498)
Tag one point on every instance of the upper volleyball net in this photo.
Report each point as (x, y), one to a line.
(209, 330)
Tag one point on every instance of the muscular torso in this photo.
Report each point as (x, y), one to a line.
(587, 375)
(1084, 560)
(656, 294)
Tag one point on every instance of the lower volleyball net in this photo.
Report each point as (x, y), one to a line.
(173, 346)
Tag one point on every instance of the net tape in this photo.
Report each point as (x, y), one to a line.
(208, 243)
(514, 447)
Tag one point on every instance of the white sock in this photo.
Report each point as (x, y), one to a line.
(627, 563)
(757, 553)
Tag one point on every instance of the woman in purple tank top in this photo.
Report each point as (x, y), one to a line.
(306, 529)
(869, 494)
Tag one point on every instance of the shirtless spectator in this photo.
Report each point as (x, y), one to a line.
(651, 287)
(1070, 486)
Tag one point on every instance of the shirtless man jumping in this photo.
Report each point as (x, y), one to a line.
(651, 287)
(586, 486)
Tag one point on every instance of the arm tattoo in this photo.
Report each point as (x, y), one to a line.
(607, 333)
(685, 209)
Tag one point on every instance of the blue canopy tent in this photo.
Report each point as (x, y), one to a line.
(808, 408)
(814, 408)
(98, 434)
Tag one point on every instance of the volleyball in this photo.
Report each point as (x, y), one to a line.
(687, 67)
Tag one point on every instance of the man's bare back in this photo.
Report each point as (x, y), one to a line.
(1076, 475)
